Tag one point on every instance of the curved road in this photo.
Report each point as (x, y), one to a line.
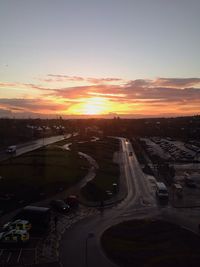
(80, 245)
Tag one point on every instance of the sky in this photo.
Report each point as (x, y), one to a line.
(132, 58)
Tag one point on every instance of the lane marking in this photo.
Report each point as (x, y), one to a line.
(9, 256)
(20, 252)
(1, 252)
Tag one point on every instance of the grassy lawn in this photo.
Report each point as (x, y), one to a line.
(151, 244)
(38, 174)
(108, 172)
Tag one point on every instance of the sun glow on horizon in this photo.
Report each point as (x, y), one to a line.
(95, 106)
(99, 106)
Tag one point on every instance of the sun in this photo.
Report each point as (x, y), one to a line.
(95, 106)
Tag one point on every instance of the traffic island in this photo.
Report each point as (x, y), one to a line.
(151, 243)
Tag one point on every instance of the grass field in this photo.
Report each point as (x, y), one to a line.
(107, 174)
(150, 243)
(48, 170)
(38, 174)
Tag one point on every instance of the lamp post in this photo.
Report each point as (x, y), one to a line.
(90, 235)
(114, 188)
(43, 136)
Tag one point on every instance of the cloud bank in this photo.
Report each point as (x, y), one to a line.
(178, 96)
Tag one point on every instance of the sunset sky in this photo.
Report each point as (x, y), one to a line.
(132, 58)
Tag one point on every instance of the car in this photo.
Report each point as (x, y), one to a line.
(60, 205)
(161, 191)
(14, 236)
(11, 149)
(72, 201)
(130, 153)
(18, 225)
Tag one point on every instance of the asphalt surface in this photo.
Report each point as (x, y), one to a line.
(30, 146)
(80, 245)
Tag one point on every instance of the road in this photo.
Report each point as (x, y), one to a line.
(80, 246)
(29, 146)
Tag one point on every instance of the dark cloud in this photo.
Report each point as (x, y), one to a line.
(33, 105)
(177, 82)
(139, 83)
(5, 113)
(129, 93)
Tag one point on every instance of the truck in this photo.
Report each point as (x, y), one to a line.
(39, 217)
(11, 149)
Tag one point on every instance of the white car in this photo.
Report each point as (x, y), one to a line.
(161, 191)
(18, 225)
(14, 236)
(11, 149)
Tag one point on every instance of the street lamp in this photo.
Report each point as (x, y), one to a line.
(114, 188)
(90, 235)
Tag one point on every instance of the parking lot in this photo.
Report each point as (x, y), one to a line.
(15, 254)
(42, 247)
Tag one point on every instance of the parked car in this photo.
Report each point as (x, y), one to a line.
(60, 205)
(72, 201)
(18, 225)
(14, 236)
(161, 191)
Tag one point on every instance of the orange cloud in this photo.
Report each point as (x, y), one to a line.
(147, 97)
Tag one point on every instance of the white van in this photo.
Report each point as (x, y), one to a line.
(161, 191)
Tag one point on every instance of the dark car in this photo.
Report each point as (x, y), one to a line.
(72, 201)
(60, 205)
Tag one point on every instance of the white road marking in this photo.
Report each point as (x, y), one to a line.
(9, 256)
(20, 252)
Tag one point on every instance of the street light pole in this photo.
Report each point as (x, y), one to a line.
(90, 235)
